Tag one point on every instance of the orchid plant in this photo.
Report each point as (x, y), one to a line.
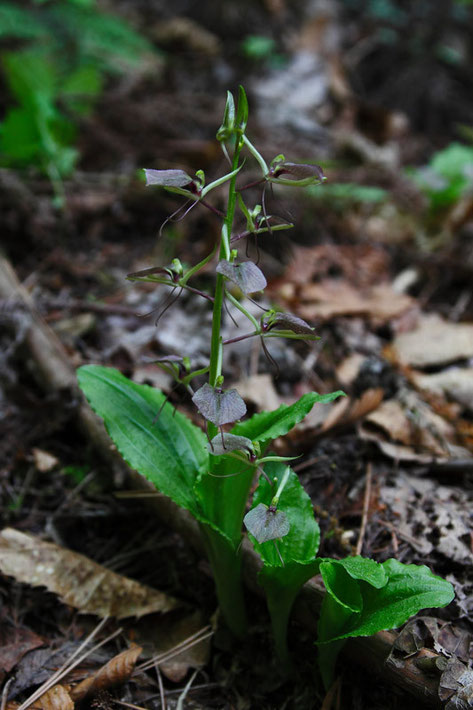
(211, 471)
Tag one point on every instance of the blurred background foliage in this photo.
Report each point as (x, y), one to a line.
(55, 59)
(60, 57)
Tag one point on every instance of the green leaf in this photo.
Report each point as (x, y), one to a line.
(266, 426)
(287, 567)
(161, 444)
(80, 88)
(409, 589)
(32, 78)
(339, 585)
(222, 491)
(17, 22)
(301, 543)
(104, 40)
(363, 568)
(363, 598)
(19, 136)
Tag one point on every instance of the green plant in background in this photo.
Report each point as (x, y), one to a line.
(211, 474)
(67, 49)
(447, 177)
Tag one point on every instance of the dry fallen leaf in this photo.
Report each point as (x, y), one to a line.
(57, 698)
(348, 411)
(412, 423)
(14, 643)
(434, 341)
(260, 390)
(116, 672)
(455, 382)
(77, 580)
(159, 636)
(334, 297)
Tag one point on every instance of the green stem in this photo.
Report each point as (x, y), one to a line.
(220, 283)
(225, 561)
(223, 552)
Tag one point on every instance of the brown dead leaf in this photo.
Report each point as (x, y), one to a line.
(14, 643)
(410, 421)
(116, 672)
(348, 370)
(57, 698)
(77, 580)
(158, 636)
(456, 383)
(360, 264)
(347, 411)
(434, 341)
(430, 516)
(332, 298)
(260, 390)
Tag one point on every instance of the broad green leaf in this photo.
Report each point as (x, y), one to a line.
(161, 444)
(361, 600)
(222, 491)
(80, 88)
(19, 137)
(363, 568)
(16, 22)
(409, 589)
(339, 585)
(267, 426)
(104, 40)
(32, 78)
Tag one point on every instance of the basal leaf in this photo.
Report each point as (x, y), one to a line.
(409, 589)
(267, 426)
(161, 444)
(343, 588)
(363, 568)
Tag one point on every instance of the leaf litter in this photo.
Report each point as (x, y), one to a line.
(77, 580)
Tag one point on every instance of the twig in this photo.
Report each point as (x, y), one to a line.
(5, 693)
(161, 688)
(182, 697)
(68, 666)
(366, 505)
(185, 645)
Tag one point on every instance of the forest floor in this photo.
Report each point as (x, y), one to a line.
(384, 277)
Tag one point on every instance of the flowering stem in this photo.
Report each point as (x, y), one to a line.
(215, 345)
